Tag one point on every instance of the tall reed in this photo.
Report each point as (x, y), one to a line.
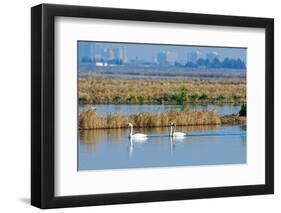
(89, 119)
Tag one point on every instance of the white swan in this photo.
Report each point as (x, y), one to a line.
(136, 135)
(176, 134)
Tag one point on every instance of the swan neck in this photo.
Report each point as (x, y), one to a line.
(131, 131)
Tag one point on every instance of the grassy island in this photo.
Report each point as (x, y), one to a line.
(89, 119)
(100, 90)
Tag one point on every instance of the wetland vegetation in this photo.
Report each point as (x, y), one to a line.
(160, 91)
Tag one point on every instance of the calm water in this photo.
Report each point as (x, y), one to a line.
(87, 70)
(126, 109)
(205, 145)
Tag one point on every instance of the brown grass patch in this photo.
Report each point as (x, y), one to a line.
(139, 91)
(89, 119)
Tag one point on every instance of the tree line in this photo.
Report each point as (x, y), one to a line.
(227, 63)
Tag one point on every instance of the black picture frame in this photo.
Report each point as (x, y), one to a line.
(43, 102)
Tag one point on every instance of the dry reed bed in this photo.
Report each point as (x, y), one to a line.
(126, 90)
(89, 119)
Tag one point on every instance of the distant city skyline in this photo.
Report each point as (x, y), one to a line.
(149, 52)
(157, 56)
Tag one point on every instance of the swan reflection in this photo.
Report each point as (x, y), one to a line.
(131, 144)
(173, 141)
(141, 140)
(172, 145)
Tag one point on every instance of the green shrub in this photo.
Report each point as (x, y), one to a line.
(158, 100)
(193, 97)
(183, 95)
(140, 99)
(166, 97)
(236, 97)
(174, 98)
(220, 98)
(204, 96)
(243, 110)
(117, 99)
(149, 99)
(83, 100)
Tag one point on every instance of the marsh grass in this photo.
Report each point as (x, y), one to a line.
(160, 91)
(89, 119)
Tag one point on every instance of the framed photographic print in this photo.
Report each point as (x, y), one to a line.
(139, 106)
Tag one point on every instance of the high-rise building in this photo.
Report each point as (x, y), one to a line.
(171, 57)
(97, 51)
(165, 58)
(120, 54)
(193, 56)
(86, 52)
(116, 52)
(212, 55)
(161, 58)
(123, 54)
(107, 54)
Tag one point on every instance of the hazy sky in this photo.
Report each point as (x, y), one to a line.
(147, 51)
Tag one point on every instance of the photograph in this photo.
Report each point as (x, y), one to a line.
(137, 105)
(148, 105)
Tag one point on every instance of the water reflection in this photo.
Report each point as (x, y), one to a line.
(127, 109)
(92, 137)
(172, 145)
(132, 141)
(205, 145)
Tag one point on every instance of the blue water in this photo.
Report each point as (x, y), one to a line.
(204, 145)
(140, 71)
(126, 109)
